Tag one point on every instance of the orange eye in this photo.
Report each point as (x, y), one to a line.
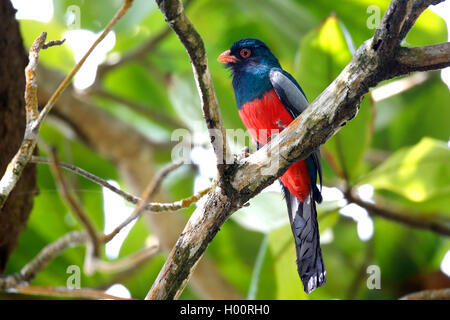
(245, 53)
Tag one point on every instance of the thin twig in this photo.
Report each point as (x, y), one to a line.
(76, 238)
(43, 258)
(406, 218)
(81, 172)
(53, 43)
(91, 262)
(122, 11)
(155, 207)
(362, 271)
(51, 251)
(31, 104)
(63, 292)
(76, 208)
(157, 181)
(128, 262)
(149, 192)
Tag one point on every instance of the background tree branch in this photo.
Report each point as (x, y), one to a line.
(406, 218)
(440, 294)
(176, 18)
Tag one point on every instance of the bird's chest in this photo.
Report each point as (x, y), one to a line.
(265, 116)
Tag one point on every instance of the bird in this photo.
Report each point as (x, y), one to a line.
(268, 100)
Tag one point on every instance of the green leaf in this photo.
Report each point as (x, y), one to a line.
(234, 251)
(342, 258)
(420, 173)
(290, 20)
(134, 82)
(267, 211)
(404, 119)
(279, 268)
(256, 274)
(402, 254)
(275, 272)
(323, 53)
(185, 99)
(140, 280)
(428, 29)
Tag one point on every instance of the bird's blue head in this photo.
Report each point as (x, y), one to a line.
(246, 54)
(250, 60)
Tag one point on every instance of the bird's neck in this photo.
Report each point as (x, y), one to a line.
(250, 84)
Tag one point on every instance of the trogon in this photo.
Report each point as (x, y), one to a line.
(268, 99)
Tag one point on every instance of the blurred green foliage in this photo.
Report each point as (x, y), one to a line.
(314, 40)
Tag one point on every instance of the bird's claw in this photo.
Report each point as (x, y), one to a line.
(244, 153)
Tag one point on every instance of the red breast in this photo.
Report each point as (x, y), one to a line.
(267, 116)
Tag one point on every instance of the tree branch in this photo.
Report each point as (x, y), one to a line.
(176, 18)
(73, 204)
(439, 294)
(148, 194)
(423, 58)
(129, 262)
(417, 8)
(81, 172)
(63, 292)
(154, 207)
(405, 218)
(47, 254)
(373, 62)
(21, 158)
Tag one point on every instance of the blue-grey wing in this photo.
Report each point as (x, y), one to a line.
(289, 91)
(294, 100)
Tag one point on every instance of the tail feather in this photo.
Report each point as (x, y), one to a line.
(303, 218)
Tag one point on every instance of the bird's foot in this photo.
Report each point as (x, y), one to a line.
(244, 153)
